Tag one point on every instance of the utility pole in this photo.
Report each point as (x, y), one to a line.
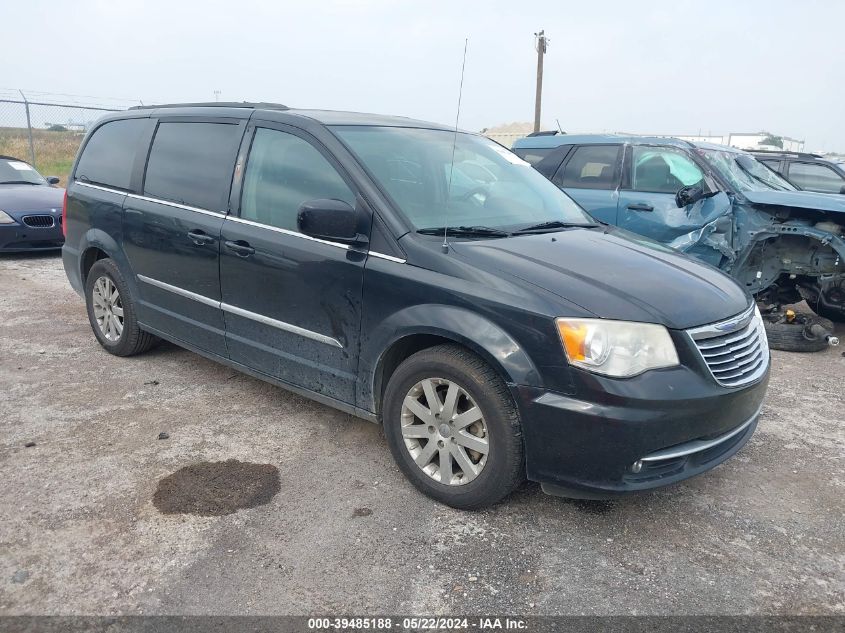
(28, 128)
(541, 45)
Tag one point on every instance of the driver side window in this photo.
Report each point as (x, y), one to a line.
(282, 172)
(662, 170)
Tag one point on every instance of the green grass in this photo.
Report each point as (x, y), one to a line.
(54, 151)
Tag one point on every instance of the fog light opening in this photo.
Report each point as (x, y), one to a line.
(637, 466)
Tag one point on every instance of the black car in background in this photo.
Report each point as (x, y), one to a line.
(30, 208)
(423, 279)
(809, 172)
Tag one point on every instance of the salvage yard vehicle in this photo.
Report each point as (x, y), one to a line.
(30, 208)
(808, 172)
(716, 203)
(492, 327)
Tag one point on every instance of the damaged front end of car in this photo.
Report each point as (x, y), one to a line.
(781, 246)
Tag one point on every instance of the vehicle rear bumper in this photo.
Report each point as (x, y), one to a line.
(70, 260)
(588, 449)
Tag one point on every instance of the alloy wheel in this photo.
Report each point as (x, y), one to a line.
(444, 431)
(108, 308)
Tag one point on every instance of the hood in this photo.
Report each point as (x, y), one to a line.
(30, 198)
(615, 275)
(800, 199)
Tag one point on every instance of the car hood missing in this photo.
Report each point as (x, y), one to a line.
(615, 275)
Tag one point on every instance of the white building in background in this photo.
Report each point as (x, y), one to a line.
(746, 140)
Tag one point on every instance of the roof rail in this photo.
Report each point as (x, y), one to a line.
(543, 133)
(785, 152)
(216, 104)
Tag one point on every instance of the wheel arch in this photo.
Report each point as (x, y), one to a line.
(430, 325)
(96, 245)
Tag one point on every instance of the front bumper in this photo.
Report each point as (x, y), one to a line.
(676, 423)
(19, 237)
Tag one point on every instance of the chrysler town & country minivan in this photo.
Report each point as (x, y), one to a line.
(423, 279)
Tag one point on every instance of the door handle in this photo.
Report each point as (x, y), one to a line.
(200, 238)
(242, 248)
(640, 206)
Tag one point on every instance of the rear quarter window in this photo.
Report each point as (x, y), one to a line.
(533, 155)
(192, 163)
(109, 155)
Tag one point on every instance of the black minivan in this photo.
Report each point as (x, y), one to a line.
(425, 279)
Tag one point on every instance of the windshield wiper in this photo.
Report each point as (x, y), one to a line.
(464, 231)
(18, 182)
(555, 224)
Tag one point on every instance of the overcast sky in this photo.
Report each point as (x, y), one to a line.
(669, 67)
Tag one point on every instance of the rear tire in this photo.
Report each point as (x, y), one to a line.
(440, 446)
(111, 311)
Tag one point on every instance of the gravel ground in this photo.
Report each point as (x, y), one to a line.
(81, 534)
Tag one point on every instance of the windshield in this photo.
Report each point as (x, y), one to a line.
(744, 172)
(18, 172)
(491, 187)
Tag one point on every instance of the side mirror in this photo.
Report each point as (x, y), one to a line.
(689, 195)
(52, 180)
(329, 219)
(842, 190)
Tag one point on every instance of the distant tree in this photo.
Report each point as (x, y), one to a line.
(55, 127)
(771, 139)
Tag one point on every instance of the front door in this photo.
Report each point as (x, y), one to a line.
(171, 233)
(653, 175)
(292, 303)
(591, 177)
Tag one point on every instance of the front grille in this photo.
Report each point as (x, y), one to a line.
(736, 350)
(39, 221)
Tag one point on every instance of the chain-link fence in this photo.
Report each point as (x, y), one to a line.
(40, 129)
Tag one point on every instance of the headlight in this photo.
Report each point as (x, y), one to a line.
(616, 348)
(5, 218)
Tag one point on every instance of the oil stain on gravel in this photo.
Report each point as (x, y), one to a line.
(216, 488)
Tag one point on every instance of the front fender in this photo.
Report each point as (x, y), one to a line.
(477, 333)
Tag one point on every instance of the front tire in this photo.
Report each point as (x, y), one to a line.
(453, 428)
(111, 311)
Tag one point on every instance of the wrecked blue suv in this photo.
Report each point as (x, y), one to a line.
(713, 202)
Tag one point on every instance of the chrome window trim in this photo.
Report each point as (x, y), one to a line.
(286, 232)
(100, 187)
(233, 218)
(179, 291)
(135, 196)
(697, 446)
(177, 205)
(389, 258)
(254, 316)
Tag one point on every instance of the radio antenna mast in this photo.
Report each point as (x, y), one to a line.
(445, 245)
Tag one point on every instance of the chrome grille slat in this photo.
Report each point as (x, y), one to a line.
(735, 351)
(720, 341)
(711, 357)
(738, 364)
(749, 349)
(738, 372)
